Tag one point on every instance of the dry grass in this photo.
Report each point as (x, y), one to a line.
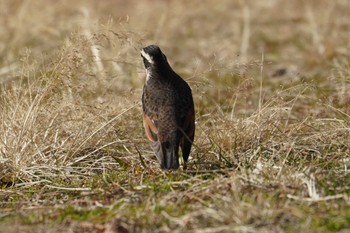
(270, 81)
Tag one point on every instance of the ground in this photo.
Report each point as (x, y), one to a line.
(270, 81)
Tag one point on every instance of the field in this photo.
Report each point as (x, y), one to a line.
(271, 86)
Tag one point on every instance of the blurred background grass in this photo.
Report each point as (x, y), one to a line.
(270, 81)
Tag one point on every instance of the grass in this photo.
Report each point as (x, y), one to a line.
(270, 81)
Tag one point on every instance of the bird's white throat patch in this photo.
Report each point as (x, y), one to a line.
(147, 56)
(148, 74)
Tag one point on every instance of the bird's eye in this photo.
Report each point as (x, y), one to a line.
(146, 63)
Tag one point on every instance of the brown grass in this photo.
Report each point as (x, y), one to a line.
(270, 81)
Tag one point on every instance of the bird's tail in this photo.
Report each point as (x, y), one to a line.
(167, 154)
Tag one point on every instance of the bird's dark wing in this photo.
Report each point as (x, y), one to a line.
(188, 131)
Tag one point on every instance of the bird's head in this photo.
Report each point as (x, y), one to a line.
(153, 58)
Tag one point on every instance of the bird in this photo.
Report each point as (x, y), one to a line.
(168, 110)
